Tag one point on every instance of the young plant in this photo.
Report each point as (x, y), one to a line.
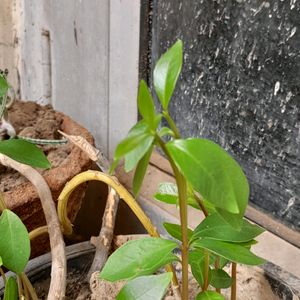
(207, 178)
(14, 238)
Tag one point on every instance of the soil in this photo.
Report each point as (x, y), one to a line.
(32, 120)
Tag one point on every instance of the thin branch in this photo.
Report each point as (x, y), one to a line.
(233, 286)
(206, 270)
(27, 285)
(200, 203)
(20, 287)
(58, 269)
(217, 266)
(104, 240)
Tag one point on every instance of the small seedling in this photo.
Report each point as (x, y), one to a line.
(207, 178)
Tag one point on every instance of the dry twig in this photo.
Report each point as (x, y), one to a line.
(104, 240)
(58, 269)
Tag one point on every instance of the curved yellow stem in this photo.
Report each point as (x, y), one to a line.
(123, 194)
(37, 232)
(112, 182)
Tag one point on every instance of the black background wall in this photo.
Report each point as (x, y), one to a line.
(240, 87)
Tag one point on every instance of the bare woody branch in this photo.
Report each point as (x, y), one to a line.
(58, 269)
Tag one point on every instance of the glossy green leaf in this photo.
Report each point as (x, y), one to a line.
(230, 251)
(196, 261)
(134, 156)
(165, 131)
(3, 86)
(138, 257)
(234, 220)
(11, 289)
(146, 287)
(24, 152)
(140, 172)
(145, 104)
(1, 262)
(168, 193)
(212, 172)
(215, 227)
(14, 242)
(157, 120)
(220, 279)
(166, 73)
(248, 244)
(175, 231)
(209, 295)
(137, 133)
(137, 139)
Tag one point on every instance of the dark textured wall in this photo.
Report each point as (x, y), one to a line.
(240, 87)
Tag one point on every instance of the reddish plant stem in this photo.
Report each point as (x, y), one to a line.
(206, 270)
(217, 266)
(233, 286)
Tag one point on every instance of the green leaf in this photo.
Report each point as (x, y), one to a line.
(146, 287)
(11, 289)
(3, 86)
(175, 231)
(212, 172)
(197, 263)
(215, 227)
(167, 192)
(166, 131)
(145, 104)
(140, 172)
(209, 295)
(248, 244)
(220, 279)
(230, 251)
(14, 243)
(1, 262)
(138, 257)
(166, 73)
(235, 220)
(133, 157)
(24, 152)
(138, 141)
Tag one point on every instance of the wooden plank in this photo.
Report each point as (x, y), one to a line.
(8, 41)
(123, 68)
(31, 21)
(80, 65)
(82, 57)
